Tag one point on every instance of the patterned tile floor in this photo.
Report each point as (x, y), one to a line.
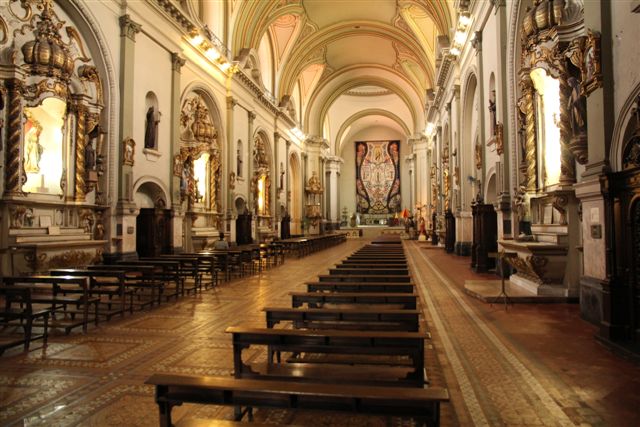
(532, 365)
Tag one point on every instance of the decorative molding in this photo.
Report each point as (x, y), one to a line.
(128, 27)
(177, 61)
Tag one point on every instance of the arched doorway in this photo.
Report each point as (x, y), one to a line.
(153, 224)
(296, 195)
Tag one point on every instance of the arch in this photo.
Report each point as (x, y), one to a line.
(296, 193)
(240, 204)
(348, 85)
(490, 188)
(153, 190)
(621, 132)
(469, 137)
(518, 8)
(370, 112)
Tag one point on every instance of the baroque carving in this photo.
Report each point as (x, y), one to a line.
(631, 153)
(128, 151)
(532, 267)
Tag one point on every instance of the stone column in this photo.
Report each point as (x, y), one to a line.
(275, 180)
(250, 145)
(598, 294)
(126, 210)
(410, 161)
(230, 163)
(504, 131)
(333, 164)
(422, 169)
(287, 177)
(177, 215)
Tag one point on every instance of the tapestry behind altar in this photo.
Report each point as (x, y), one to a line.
(378, 176)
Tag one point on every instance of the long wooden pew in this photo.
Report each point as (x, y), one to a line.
(420, 404)
(363, 278)
(67, 298)
(340, 318)
(395, 346)
(145, 280)
(395, 271)
(318, 299)
(397, 287)
(107, 285)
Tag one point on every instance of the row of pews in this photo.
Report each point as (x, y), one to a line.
(66, 299)
(353, 341)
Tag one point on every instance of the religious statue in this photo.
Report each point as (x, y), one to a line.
(128, 145)
(33, 149)
(422, 229)
(239, 162)
(492, 113)
(281, 176)
(478, 155)
(232, 180)
(151, 128)
(313, 185)
(90, 150)
(177, 165)
(576, 104)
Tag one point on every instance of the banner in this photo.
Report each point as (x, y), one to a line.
(378, 177)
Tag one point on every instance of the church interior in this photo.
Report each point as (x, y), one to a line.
(435, 205)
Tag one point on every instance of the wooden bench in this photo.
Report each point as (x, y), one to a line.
(166, 273)
(422, 405)
(318, 299)
(395, 358)
(18, 312)
(65, 295)
(370, 271)
(363, 278)
(188, 268)
(370, 265)
(142, 279)
(340, 318)
(109, 286)
(360, 287)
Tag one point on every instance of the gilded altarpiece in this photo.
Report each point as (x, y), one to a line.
(199, 168)
(53, 182)
(261, 188)
(557, 71)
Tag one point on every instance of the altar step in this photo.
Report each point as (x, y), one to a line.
(488, 291)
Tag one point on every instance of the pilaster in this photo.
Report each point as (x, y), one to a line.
(177, 217)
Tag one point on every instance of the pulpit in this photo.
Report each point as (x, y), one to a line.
(485, 237)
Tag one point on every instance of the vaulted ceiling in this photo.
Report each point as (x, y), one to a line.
(339, 59)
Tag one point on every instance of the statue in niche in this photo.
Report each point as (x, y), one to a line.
(281, 176)
(492, 113)
(478, 155)
(239, 163)
(151, 128)
(177, 165)
(128, 145)
(33, 148)
(576, 103)
(90, 150)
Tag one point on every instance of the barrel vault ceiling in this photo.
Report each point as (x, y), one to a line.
(347, 64)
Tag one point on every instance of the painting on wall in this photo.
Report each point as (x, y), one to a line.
(378, 177)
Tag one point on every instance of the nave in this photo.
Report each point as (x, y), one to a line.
(501, 368)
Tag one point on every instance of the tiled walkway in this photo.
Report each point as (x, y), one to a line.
(533, 365)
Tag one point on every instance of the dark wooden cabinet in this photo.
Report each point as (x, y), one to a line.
(450, 232)
(243, 229)
(485, 237)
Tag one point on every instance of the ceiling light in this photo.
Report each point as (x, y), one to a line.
(212, 53)
(196, 40)
(460, 37)
(454, 51)
(225, 66)
(464, 20)
(428, 131)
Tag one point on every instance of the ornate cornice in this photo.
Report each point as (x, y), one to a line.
(176, 14)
